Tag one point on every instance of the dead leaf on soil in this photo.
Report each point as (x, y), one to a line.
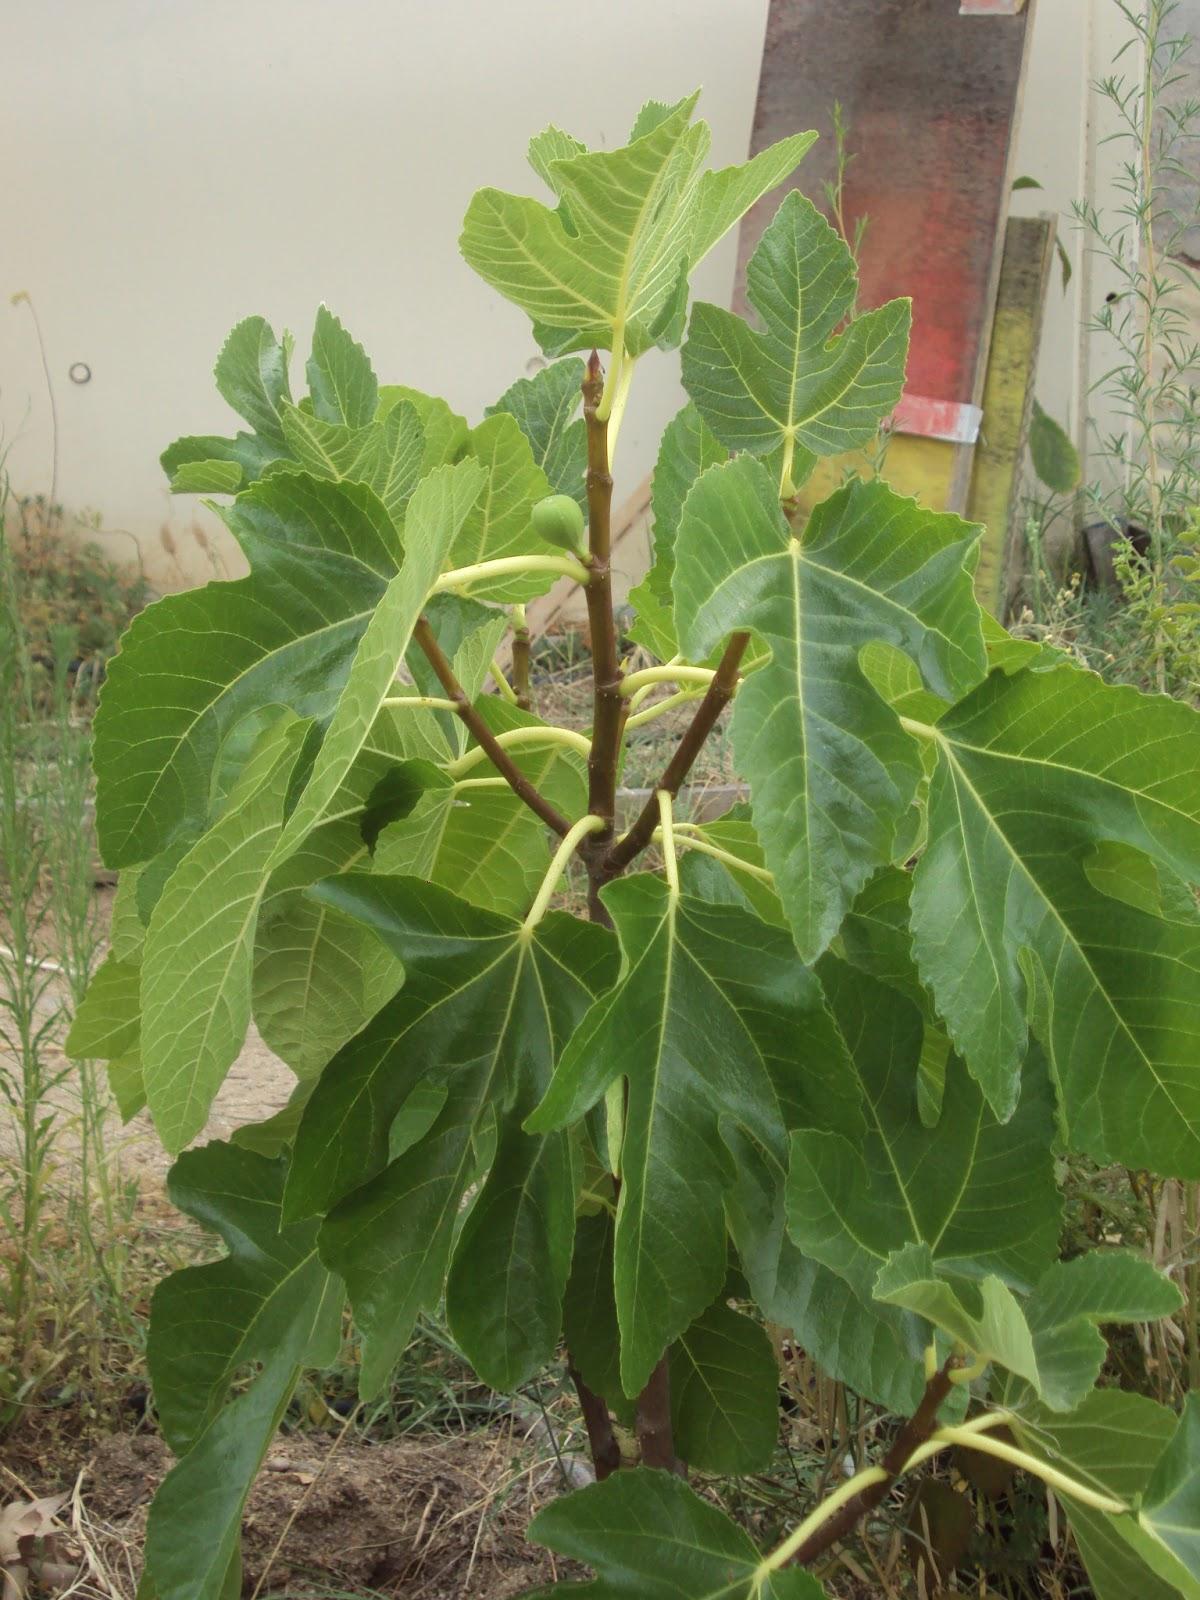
(30, 1546)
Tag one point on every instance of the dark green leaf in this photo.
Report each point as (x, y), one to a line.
(724, 1393)
(831, 770)
(590, 1314)
(707, 993)
(340, 376)
(545, 408)
(252, 377)
(649, 1537)
(1055, 458)
(484, 1010)
(1034, 771)
(981, 1194)
(269, 1301)
(193, 666)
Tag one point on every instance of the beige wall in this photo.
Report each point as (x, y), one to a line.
(1069, 140)
(174, 165)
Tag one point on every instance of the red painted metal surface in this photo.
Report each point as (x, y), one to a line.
(930, 99)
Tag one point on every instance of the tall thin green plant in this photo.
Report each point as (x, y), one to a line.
(61, 1204)
(1149, 478)
(29, 1011)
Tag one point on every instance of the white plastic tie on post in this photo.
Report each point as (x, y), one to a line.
(951, 420)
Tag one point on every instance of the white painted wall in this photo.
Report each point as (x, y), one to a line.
(174, 165)
(1070, 141)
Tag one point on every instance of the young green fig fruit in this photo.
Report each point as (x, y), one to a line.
(558, 520)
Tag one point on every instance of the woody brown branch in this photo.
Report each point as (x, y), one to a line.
(718, 695)
(608, 706)
(504, 764)
(915, 1432)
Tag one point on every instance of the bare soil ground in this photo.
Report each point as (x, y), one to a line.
(419, 1518)
(425, 1517)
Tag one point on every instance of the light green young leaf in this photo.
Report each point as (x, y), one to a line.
(389, 456)
(197, 965)
(831, 770)
(399, 458)
(437, 511)
(484, 1011)
(443, 431)
(1034, 771)
(206, 463)
(252, 377)
(606, 268)
(723, 881)
(545, 407)
(340, 375)
(984, 1316)
(980, 1194)
(1052, 1339)
(1170, 1510)
(1129, 875)
(797, 385)
(318, 975)
(207, 477)
(895, 679)
(1011, 654)
(328, 449)
(1111, 1443)
(127, 1084)
(606, 282)
(483, 842)
(706, 993)
(1072, 1300)
(469, 635)
(126, 930)
(653, 625)
(647, 1536)
(108, 1021)
(724, 1393)
(194, 665)
(551, 145)
(727, 194)
(498, 522)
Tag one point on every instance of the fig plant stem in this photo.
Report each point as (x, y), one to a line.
(918, 1430)
(718, 695)
(504, 764)
(602, 1440)
(608, 705)
(520, 658)
(609, 710)
(655, 1434)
